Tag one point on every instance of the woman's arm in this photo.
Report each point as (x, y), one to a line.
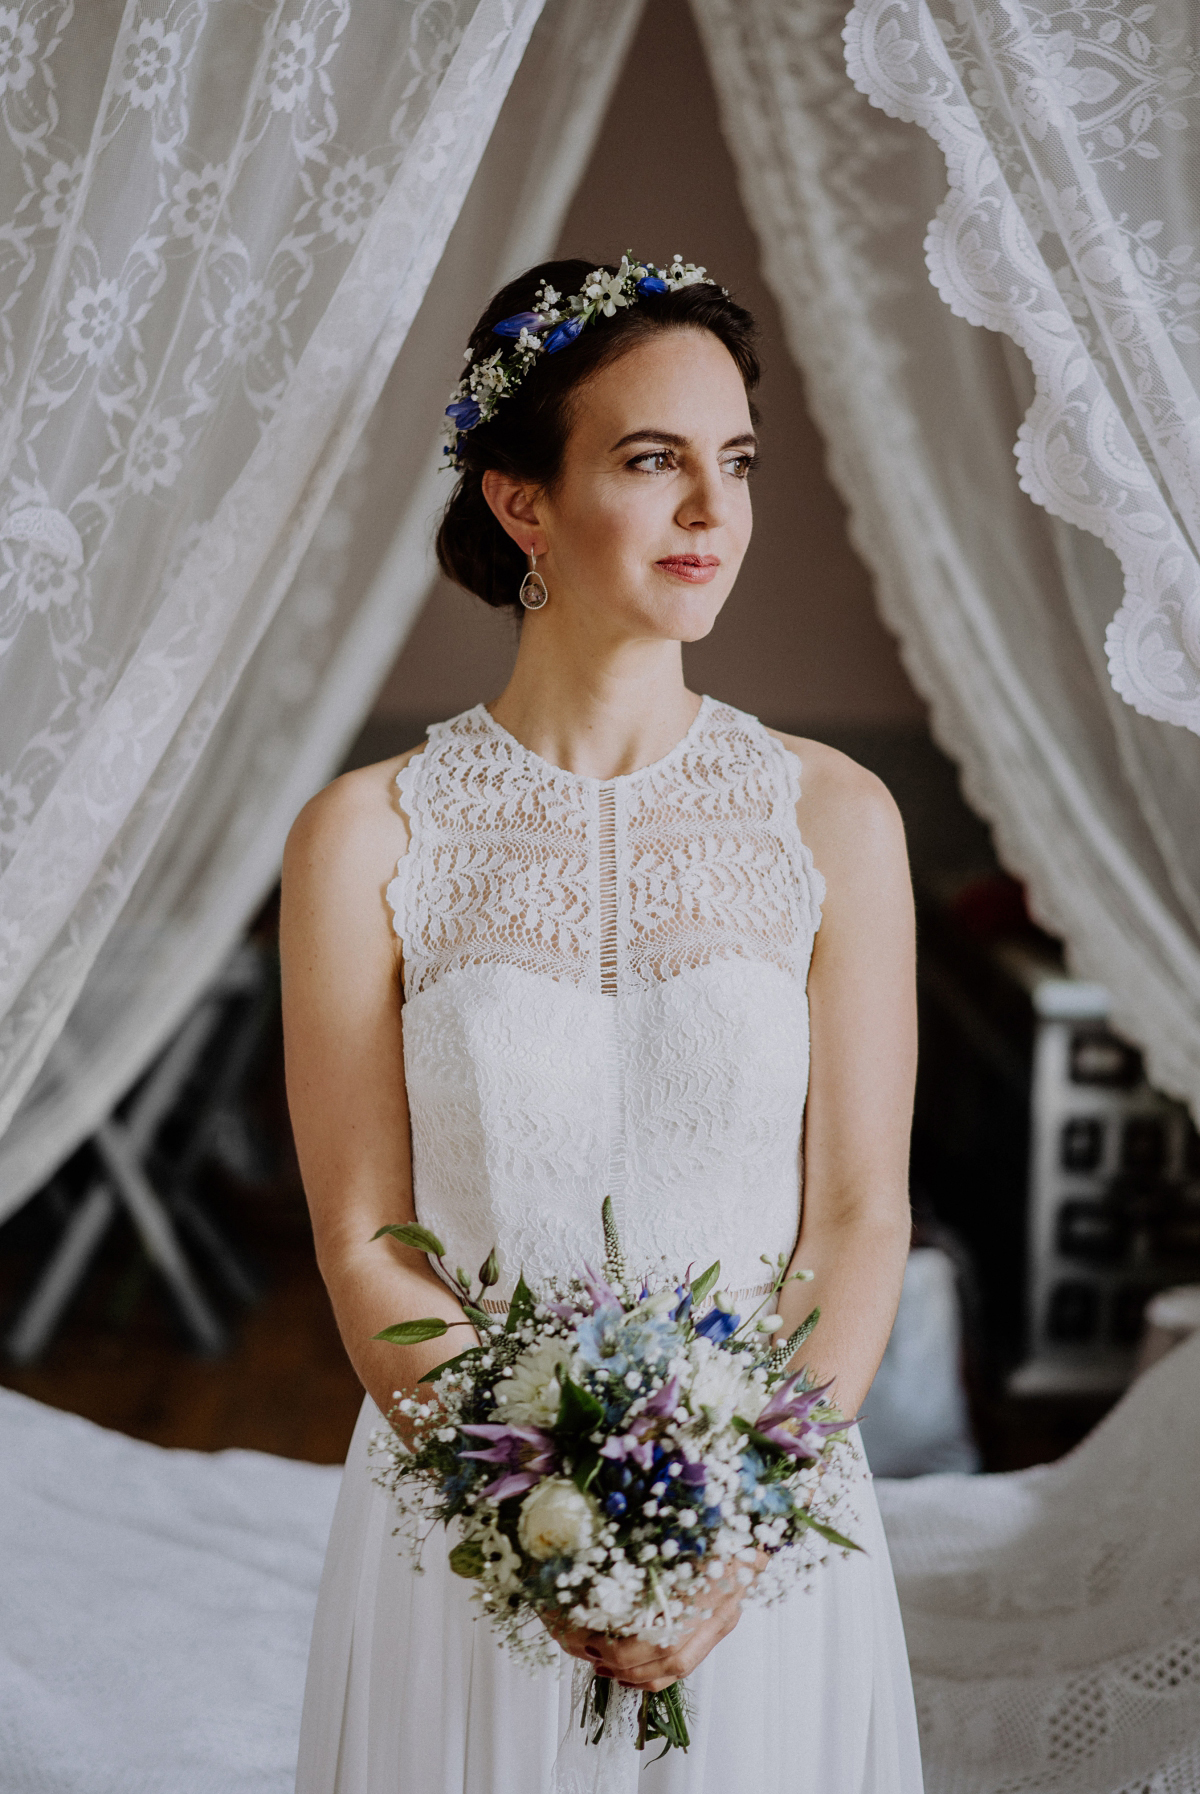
(345, 1075)
(856, 1222)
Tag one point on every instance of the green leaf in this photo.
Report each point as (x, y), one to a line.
(586, 1471)
(521, 1307)
(477, 1316)
(431, 1376)
(408, 1333)
(578, 1409)
(467, 1559)
(489, 1270)
(826, 1532)
(704, 1282)
(464, 1282)
(414, 1235)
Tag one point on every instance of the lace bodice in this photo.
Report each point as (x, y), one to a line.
(605, 994)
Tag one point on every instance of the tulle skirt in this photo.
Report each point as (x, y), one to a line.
(409, 1693)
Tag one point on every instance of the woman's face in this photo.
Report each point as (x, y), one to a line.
(645, 530)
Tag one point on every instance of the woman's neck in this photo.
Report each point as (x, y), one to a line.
(597, 713)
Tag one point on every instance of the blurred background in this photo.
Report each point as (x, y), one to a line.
(1055, 1193)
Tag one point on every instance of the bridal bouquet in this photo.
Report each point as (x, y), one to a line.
(609, 1453)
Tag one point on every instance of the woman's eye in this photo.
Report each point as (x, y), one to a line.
(657, 461)
(741, 466)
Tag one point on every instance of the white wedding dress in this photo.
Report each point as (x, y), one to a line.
(604, 994)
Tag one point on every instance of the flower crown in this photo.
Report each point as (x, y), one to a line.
(554, 323)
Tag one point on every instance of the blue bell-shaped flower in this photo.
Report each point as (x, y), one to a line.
(520, 320)
(562, 334)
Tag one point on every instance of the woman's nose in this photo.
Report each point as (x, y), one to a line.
(706, 504)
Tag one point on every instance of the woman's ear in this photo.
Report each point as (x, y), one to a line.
(513, 505)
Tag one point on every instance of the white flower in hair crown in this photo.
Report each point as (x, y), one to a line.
(553, 324)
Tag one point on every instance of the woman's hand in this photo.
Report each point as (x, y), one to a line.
(639, 1663)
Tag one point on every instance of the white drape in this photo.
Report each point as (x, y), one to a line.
(1000, 608)
(214, 674)
(1072, 224)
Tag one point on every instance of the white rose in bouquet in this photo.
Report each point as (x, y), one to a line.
(722, 1387)
(556, 1519)
(530, 1397)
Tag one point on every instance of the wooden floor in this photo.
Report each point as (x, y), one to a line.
(286, 1386)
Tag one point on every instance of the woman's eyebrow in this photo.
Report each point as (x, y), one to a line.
(667, 436)
(747, 440)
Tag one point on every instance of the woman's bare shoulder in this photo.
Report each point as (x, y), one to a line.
(351, 834)
(846, 813)
(829, 777)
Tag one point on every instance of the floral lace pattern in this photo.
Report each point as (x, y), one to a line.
(209, 262)
(605, 994)
(1073, 225)
(1000, 609)
(1050, 1657)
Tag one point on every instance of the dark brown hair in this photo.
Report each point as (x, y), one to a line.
(527, 436)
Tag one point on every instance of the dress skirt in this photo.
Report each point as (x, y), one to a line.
(409, 1693)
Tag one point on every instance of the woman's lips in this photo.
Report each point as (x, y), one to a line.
(697, 569)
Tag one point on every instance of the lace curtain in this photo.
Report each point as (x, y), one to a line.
(1000, 606)
(247, 243)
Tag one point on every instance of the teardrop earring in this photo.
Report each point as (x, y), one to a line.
(533, 593)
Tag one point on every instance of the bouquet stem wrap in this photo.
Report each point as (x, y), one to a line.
(610, 1765)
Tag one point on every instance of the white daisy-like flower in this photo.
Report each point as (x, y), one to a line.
(530, 1397)
(720, 1387)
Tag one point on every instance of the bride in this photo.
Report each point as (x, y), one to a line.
(576, 945)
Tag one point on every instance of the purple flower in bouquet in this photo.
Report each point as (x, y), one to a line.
(786, 1422)
(526, 1453)
(602, 1294)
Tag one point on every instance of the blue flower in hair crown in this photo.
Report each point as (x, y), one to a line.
(553, 324)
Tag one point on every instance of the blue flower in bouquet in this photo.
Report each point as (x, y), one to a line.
(767, 1498)
(718, 1326)
(625, 1345)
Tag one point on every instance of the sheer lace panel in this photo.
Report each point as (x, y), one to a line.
(605, 885)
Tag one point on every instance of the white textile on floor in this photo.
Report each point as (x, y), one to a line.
(155, 1610)
(1053, 1615)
